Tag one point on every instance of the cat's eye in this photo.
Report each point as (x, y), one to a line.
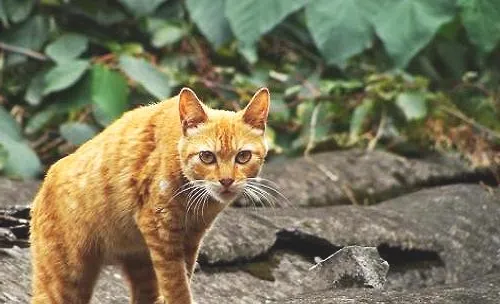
(243, 157)
(207, 157)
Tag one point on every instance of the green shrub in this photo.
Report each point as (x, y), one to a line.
(342, 72)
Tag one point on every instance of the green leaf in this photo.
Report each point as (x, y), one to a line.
(167, 35)
(103, 12)
(67, 47)
(30, 34)
(142, 7)
(250, 19)
(18, 10)
(64, 75)
(8, 125)
(3, 15)
(3, 157)
(344, 33)
(358, 118)
(22, 161)
(409, 25)
(249, 52)
(67, 102)
(321, 127)
(482, 22)
(109, 94)
(34, 93)
(212, 23)
(150, 77)
(279, 111)
(39, 120)
(413, 105)
(453, 55)
(77, 133)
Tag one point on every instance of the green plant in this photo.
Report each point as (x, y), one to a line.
(342, 73)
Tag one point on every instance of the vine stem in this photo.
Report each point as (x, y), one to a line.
(310, 145)
(23, 51)
(456, 113)
(383, 120)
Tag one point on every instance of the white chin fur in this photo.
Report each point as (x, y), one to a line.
(224, 199)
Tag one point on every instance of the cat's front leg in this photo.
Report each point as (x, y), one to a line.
(191, 247)
(164, 237)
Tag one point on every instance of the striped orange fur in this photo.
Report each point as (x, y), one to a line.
(142, 194)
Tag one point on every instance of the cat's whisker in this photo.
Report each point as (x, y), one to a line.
(249, 198)
(203, 205)
(196, 199)
(192, 194)
(195, 205)
(270, 187)
(260, 180)
(188, 186)
(191, 201)
(263, 194)
(189, 204)
(286, 201)
(200, 205)
(271, 203)
(254, 198)
(272, 193)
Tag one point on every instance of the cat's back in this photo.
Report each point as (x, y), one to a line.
(105, 168)
(124, 141)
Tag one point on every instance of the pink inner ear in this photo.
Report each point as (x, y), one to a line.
(257, 110)
(192, 122)
(190, 109)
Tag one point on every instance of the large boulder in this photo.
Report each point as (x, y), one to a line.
(14, 192)
(480, 290)
(359, 177)
(352, 266)
(440, 235)
(435, 240)
(455, 226)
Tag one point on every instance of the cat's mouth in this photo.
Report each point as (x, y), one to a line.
(227, 193)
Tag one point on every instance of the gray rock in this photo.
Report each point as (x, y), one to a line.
(451, 226)
(359, 177)
(7, 238)
(480, 290)
(14, 192)
(440, 235)
(352, 266)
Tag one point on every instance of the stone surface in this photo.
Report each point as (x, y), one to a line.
(352, 266)
(444, 235)
(454, 225)
(7, 238)
(363, 177)
(14, 192)
(248, 256)
(481, 290)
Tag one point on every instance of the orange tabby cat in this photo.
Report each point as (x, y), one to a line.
(142, 194)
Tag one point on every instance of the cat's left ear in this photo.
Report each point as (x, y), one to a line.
(190, 110)
(255, 113)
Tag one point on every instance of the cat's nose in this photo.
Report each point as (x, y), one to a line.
(226, 182)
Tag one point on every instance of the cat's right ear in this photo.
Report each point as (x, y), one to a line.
(190, 110)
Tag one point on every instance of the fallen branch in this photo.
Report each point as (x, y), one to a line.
(23, 51)
(456, 113)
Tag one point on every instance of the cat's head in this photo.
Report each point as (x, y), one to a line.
(221, 151)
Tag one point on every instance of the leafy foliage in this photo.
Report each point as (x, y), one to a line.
(410, 76)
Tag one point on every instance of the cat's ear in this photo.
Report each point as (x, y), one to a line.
(190, 110)
(255, 113)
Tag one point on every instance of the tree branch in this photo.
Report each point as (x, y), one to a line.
(23, 51)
